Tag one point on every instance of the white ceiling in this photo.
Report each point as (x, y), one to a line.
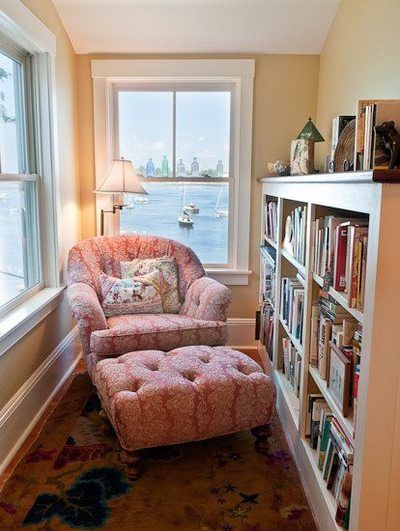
(190, 26)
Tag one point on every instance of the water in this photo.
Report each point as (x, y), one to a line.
(159, 216)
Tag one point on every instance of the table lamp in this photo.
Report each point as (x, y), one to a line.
(121, 179)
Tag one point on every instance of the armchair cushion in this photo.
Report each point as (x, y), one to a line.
(126, 333)
(169, 285)
(134, 295)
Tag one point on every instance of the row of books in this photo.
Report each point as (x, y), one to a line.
(292, 305)
(294, 241)
(271, 219)
(340, 255)
(292, 363)
(268, 273)
(376, 121)
(265, 326)
(335, 454)
(335, 350)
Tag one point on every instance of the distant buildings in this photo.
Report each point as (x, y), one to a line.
(164, 171)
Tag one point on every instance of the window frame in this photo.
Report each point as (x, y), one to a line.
(108, 75)
(24, 31)
(138, 86)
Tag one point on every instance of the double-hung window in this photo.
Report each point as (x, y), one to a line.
(20, 269)
(186, 127)
(179, 139)
(30, 271)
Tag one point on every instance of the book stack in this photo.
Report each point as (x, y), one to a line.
(270, 216)
(291, 364)
(292, 306)
(340, 253)
(335, 455)
(295, 234)
(373, 123)
(266, 314)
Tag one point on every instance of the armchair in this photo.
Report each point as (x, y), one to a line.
(204, 301)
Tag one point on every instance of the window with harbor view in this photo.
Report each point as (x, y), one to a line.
(179, 141)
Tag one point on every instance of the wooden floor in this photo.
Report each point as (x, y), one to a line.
(252, 353)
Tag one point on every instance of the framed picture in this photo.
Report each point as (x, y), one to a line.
(339, 378)
(302, 157)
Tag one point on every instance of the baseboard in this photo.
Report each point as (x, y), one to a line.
(241, 333)
(22, 412)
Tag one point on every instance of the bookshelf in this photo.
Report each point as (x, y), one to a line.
(376, 478)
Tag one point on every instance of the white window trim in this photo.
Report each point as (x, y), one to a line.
(239, 72)
(19, 24)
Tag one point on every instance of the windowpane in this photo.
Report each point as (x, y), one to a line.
(12, 146)
(158, 213)
(202, 133)
(146, 131)
(19, 260)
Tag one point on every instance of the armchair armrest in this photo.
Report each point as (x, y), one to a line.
(207, 299)
(86, 309)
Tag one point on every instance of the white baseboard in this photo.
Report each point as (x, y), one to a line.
(241, 333)
(24, 409)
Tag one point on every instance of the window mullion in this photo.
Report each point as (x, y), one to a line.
(174, 134)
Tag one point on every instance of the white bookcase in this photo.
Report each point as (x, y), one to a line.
(375, 501)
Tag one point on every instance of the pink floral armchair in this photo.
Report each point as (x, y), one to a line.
(204, 301)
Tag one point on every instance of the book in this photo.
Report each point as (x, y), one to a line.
(325, 327)
(314, 336)
(339, 272)
(343, 507)
(326, 420)
(311, 399)
(318, 407)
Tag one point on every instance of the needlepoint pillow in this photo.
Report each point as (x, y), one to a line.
(166, 266)
(131, 295)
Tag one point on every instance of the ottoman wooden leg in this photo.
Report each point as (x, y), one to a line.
(132, 461)
(261, 433)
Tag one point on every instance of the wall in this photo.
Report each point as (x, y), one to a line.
(285, 94)
(360, 59)
(21, 360)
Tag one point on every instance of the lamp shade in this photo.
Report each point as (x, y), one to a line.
(310, 132)
(121, 179)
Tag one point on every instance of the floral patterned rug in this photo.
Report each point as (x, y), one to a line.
(71, 477)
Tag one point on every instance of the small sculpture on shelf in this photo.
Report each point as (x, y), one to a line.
(390, 142)
(281, 168)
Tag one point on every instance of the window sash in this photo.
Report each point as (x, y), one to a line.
(198, 86)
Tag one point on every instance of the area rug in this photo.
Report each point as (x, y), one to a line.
(71, 477)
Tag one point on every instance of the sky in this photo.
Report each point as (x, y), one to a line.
(202, 127)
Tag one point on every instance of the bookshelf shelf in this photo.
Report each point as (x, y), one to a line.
(270, 242)
(327, 494)
(300, 268)
(347, 423)
(291, 399)
(295, 341)
(340, 299)
(376, 197)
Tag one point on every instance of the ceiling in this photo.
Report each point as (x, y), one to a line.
(203, 26)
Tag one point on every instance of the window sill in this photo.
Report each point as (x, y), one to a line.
(26, 316)
(230, 277)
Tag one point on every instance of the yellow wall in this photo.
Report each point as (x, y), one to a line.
(285, 94)
(20, 361)
(360, 59)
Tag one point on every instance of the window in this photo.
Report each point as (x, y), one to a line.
(186, 125)
(19, 222)
(171, 136)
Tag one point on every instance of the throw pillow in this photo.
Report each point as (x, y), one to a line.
(167, 267)
(131, 295)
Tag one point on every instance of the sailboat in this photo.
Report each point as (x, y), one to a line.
(220, 213)
(191, 208)
(184, 219)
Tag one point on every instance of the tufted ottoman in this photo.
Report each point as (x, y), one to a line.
(155, 398)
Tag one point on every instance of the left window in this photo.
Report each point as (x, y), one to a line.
(20, 269)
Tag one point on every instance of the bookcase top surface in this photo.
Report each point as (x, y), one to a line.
(372, 176)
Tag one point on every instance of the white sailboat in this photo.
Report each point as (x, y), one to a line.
(220, 213)
(184, 219)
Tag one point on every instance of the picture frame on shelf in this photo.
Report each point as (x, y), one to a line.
(302, 157)
(339, 378)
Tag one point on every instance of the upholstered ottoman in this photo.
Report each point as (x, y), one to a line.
(155, 398)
